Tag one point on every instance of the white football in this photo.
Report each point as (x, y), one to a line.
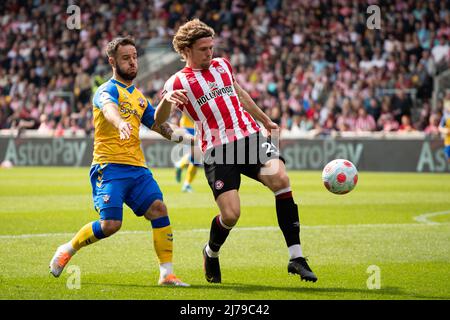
(340, 176)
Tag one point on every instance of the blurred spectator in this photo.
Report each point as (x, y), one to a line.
(301, 123)
(82, 90)
(433, 127)
(374, 109)
(386, 122)
(441, 51)
(424, 117)
(293, 57)
(364, 121)
(46, 126)
(406, 125)
(327, 128)
(401, 105)
(346, 121)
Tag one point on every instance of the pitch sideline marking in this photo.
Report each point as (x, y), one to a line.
(263, 228)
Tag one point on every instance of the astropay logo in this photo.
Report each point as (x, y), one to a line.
(32, 152)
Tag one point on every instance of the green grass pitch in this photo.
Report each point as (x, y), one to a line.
(399, 223)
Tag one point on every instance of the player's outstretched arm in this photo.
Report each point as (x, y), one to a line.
(164, 108)
(444, 131)
(111, 113)
(249, 105)
(168, 132)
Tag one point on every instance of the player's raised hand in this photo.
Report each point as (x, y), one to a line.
(271, 127)
(177, 97)
(125, 129)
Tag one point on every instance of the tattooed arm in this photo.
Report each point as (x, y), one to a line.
(176, 97)
(167, 132)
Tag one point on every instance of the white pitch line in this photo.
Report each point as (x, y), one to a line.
(237, 229)
(423, 218)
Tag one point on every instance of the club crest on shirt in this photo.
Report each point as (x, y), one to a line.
(220, 69)
(219, 184)
(106, 198)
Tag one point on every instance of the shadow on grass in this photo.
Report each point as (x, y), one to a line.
(386, 291)
(323, 292)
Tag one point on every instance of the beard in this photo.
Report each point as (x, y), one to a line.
(129, 76)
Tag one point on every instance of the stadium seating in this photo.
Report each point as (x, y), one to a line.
(312, 66)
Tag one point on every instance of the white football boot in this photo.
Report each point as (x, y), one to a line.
(59, 261)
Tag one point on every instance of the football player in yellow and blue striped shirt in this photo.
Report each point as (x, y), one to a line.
(189, 159)
(444, 128)
(119, 173)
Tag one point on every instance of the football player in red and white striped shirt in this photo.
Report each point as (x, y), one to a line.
(232, 143)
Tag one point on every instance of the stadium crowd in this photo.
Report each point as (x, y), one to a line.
(310, 64)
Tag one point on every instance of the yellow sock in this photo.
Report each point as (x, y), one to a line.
(85, 236)
(185, 161)
(191, 172)
(163, 243)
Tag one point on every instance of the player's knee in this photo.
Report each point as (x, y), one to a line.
(156, 210)
(284, 180)
(231, 216)
(109, 227)
(281, 181)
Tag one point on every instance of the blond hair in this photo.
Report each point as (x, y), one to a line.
(190, 32)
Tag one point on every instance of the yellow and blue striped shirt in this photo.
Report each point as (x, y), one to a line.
(135, 109)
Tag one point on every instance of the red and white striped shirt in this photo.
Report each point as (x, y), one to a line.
(213, 103)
